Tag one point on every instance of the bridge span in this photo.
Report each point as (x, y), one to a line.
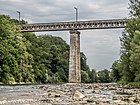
(74, 53)
(77, 25)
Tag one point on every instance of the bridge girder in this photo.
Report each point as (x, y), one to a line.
(79, 25)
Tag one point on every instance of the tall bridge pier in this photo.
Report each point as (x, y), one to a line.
(74, 57)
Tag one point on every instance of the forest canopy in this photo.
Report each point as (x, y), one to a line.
(27, 58)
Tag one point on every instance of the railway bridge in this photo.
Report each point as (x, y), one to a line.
(73, 27)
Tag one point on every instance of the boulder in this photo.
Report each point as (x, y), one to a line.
(78, 95)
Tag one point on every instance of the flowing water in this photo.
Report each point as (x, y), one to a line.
(19, 94)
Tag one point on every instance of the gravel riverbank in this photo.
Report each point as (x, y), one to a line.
(69, 94)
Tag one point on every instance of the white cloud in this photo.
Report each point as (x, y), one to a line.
(15, 0)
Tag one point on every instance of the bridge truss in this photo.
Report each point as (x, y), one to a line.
(79, 25)
(74, 56)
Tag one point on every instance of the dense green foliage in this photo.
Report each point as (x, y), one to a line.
(127, 68)
(50, 56)
(27, 58)
(15, 61)
(93, 76)
(85, 71)
(103, 76)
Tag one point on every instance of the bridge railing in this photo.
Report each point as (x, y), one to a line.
(79, 25)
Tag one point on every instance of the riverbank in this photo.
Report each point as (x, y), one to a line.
(69, 94)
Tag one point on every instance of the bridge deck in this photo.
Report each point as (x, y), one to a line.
(79, 25)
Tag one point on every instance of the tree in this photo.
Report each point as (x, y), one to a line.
(27, 58)
(85, 71)
(135, 55)
(134, 7)
(129, 63)
(50, 55)
(93, 76)
(15, 61)
(103, 76)
(84, 65)
(84, 77)
(116, 71)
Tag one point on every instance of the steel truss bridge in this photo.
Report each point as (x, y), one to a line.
(77, 25)
(74, 55)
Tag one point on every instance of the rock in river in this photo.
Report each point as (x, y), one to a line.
(78, 95)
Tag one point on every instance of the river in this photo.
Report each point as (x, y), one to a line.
(69, 94)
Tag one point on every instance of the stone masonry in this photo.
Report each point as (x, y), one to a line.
(74, 57)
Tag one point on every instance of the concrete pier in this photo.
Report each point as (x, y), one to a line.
(74, 57)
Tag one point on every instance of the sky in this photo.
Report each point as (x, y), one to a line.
(101, 46)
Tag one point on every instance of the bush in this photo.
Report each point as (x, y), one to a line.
(84, 77)
(134, 84)
(8, 79)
